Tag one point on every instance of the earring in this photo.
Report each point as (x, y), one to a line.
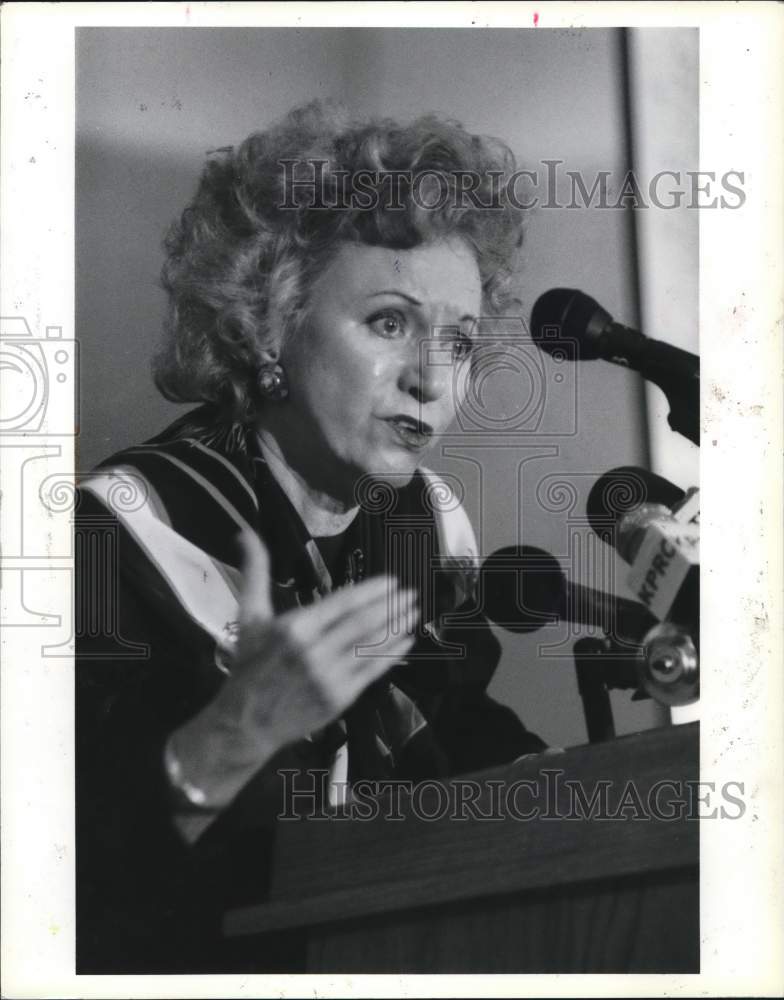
(272, 382)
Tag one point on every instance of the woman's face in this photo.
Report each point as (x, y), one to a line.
(376, 368)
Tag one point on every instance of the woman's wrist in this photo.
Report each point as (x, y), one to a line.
(186, 796)
(212, 756)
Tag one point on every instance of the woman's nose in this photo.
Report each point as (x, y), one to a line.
(428, 375)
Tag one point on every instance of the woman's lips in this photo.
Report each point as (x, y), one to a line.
(414, 434)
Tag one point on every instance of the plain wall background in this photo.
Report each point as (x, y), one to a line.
(152, 102)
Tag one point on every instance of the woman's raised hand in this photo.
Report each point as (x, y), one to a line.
(300, 670)
(290, 674)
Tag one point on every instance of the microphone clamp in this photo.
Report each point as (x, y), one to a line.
(668, 665)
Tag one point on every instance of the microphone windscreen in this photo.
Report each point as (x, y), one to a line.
(521, 588)
(622, 490)
(566, 316)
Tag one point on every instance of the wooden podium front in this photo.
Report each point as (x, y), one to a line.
(514, 870)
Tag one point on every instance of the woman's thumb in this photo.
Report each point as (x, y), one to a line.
(255, 600)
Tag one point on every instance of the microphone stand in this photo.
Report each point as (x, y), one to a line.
(596, 675)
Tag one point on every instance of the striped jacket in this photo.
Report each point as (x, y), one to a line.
(157, 587)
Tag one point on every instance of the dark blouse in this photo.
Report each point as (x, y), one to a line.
(146, 900)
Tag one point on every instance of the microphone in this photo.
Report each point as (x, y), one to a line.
(522, 588)
(654, 526)
(566, 316)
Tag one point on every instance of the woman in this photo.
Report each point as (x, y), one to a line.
(324, 288)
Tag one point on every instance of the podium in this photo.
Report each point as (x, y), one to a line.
(584, 861)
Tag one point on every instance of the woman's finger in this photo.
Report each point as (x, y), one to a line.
(369, 668)
(255, 599)
(376, 623)
(351, 679)
(370, 651)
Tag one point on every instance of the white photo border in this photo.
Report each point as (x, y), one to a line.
(741, 278)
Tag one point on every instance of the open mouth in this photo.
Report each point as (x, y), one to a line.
(413, 433)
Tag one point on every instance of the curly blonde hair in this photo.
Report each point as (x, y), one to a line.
(243, 254)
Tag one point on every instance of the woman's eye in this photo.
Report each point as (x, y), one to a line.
(461, 347)
(389, 323)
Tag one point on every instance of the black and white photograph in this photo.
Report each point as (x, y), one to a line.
(358, 408)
